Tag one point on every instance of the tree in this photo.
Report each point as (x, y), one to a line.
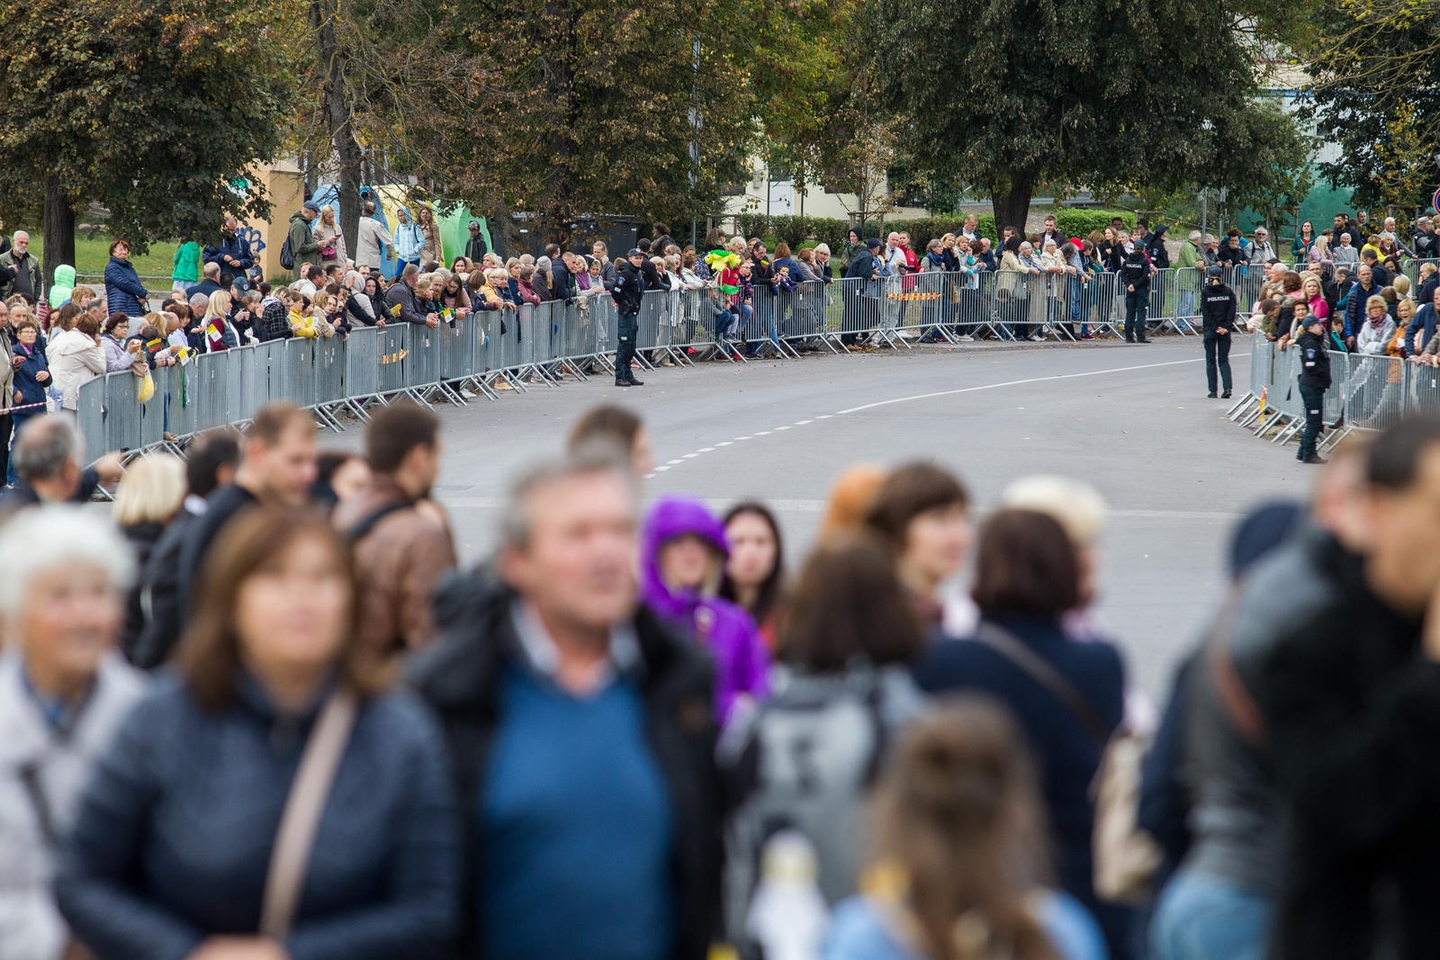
(156, 109)
(1375, 94)
(572, 107)
(1015, 93)
(367, 70)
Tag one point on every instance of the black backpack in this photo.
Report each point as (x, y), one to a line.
(287, 255)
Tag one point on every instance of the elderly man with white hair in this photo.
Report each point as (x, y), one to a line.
(63, 691)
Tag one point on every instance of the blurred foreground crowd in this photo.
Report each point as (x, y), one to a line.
(262, 713)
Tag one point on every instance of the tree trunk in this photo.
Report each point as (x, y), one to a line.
(1011, 203)
(337, 113)
(58, 225)
(503, 233)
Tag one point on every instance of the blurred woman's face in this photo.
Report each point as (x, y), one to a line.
(70, 620)
(351, 478)
(752, 549)
(686, 562)
(292, 613)
(936, 542)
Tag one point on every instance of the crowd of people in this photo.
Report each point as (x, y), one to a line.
(747, 300)
(262, 711)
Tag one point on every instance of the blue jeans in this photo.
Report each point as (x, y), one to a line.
(1200, 917)
(19, 420)
(400, 265)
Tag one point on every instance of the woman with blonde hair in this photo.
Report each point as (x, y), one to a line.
(219, 334)
(331, 240)
(958, 861)
(1315, 295)
(431, 249)
(150, 495)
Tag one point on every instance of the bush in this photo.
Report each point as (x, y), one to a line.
(1079, 223)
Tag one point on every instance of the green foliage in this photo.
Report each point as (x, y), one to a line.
(570, 107)
(149, 107)
(1015, 93)
(1376, 96)
(1079, 223)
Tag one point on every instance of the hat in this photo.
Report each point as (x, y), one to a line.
(635, 252)
(1077, 243)
(1262, 530)
(872, 244)
(1313, 319)
(1214, 270)
(312, 206)
(474, 225)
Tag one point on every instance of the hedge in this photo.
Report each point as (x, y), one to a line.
(1079, 223)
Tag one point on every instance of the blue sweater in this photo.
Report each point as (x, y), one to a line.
(576, 825)
(173, 836)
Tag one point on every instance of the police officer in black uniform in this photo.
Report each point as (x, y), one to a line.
(1314, 381)
(1135, 271)
(628, 292)
(1217, 321)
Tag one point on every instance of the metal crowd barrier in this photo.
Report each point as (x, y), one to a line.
(482, 354)
(1366, 393)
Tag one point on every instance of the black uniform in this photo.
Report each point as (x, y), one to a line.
(1135, 273)
(628, 292)
(1314, 381)
(1217, 312)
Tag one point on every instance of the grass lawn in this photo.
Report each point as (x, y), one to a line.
(92, 255)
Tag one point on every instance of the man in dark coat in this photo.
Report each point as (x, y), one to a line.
(581, 735)
(1333, 676)
(475, 248)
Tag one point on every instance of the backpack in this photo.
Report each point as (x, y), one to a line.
(804, 761)
(1126, 857)
(287, 255)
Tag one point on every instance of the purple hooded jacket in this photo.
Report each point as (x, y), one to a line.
(741, 661)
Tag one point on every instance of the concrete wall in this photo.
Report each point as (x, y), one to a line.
(286, 187)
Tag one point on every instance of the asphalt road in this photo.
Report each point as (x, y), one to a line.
(1131, 420)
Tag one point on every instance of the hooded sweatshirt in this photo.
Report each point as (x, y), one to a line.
(408, 238)
(63, 286)
(726, 630)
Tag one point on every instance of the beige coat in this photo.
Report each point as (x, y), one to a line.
(74, 359)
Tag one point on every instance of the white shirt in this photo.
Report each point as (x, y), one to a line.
(544, 658)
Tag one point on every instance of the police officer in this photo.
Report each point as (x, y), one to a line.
(628, 292)
(1135, 271)
(1217, 320)
(1314, 381)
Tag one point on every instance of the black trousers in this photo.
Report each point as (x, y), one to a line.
(1217, 354)
(626, 329)
(1314, 400)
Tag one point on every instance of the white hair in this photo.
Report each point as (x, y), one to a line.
(40, 539)
(1074, 504)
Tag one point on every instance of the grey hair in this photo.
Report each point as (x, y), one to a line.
(199, 302)
(45, 445)
(410, 271)
(593, 457)
(1194, 234)
(58, 535)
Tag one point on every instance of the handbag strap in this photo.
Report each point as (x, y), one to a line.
(1039, 669)
(301, 819)
(1235, 699)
